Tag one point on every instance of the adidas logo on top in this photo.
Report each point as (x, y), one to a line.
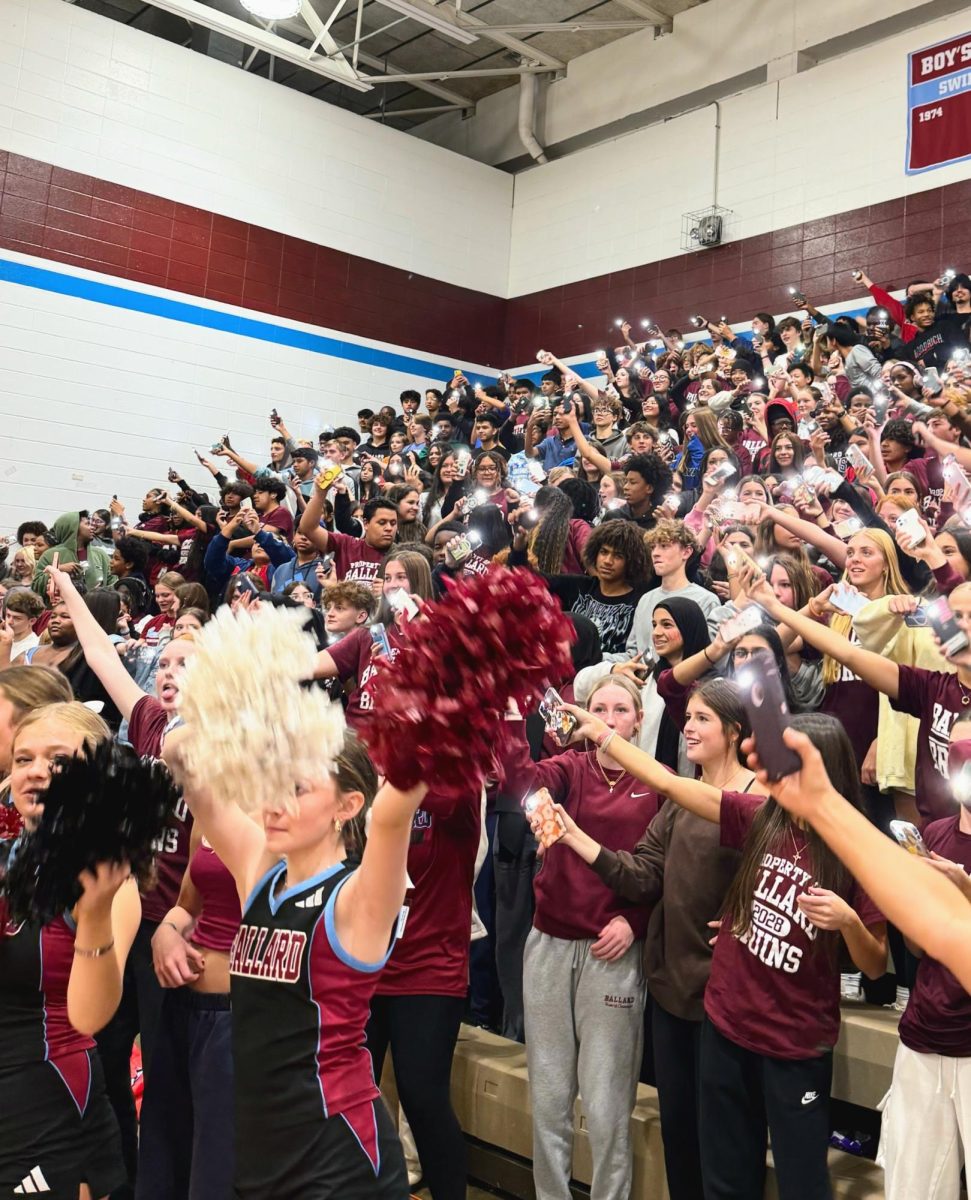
(314, 900)
(33, 1183)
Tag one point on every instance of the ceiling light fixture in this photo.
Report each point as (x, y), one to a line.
(425, 18)
(272, 10)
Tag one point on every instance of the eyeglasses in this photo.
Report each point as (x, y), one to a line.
(740, 654)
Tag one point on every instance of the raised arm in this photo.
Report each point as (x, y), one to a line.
(369, 902)
(700, 798)
(601, 461)
(922, 903)
(99, 651)
(237, 840)
(310, 525)
(878, 672)
(107, 915)
(809, 531)
(186, 514)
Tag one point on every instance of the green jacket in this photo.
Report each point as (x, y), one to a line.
(97, 564)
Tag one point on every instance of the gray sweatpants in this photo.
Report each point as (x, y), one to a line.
(584, 1032)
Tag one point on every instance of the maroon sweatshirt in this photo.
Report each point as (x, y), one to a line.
(571, 901)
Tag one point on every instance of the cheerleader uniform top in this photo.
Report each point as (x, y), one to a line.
(300, 1004)
(35, 968)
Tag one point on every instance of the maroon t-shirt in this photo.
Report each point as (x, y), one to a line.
(431, 956)
(938, 1015)
(354, 559)
(937, 700)
(573, 551)
(773, 991)
(280, 518)
(572, 902)
(145, 730)
(355, 660)
(855, 705)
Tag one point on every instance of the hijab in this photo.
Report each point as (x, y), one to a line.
(693, 627)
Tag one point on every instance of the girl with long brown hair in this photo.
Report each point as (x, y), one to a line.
(788, 913)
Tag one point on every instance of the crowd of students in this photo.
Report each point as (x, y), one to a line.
(711, 509)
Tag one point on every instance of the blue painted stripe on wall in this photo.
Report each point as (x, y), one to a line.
(210, 318)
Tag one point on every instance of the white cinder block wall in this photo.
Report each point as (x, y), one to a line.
(96, 399)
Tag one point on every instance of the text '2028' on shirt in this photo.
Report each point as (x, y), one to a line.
(778, 966)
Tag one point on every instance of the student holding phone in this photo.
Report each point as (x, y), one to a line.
(936, 698)
(584, 945)
(789, 908)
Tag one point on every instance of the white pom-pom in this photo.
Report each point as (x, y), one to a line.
(254, 731)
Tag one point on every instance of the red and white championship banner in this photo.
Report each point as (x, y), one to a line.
(939, 105)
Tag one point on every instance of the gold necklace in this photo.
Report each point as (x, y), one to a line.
(600, 768)
(795, 849)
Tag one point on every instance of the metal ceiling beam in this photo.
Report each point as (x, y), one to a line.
(459, 74)
(579, 26)
(659, 19)
(274, 45)
(322, 36)
(474, 25)
(388, 64)
(412, 112)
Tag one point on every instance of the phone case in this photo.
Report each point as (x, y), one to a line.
(552, 826)
(560, 725)
(908, 836)
(847, 600)
(379, 636)
(950, 634)
(742, 622)
(909, 523)
(765, 703)
(846, 529)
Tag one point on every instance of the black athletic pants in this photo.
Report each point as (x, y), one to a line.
(745, 1095)
(138, 1013)
(677, 1045)
(422, 1032)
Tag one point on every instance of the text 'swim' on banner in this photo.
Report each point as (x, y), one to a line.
(939, 105)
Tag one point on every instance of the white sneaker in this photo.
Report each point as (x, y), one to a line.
(851, 987)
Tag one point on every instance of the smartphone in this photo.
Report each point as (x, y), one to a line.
(917, 619)
(465, 543)
(858, 460)
(932, 381)
(246, 504)
(847, 599)
(216, 447)
(765, 703)
(742, 622)
(567, 405)
(908, 836)
(909, 523)
(732, 511)
(401, 602)
(846, 529)
(326, 563)
(941, 620)
(814, 475)
(721, 473)
(559, 725)
(807, 429)
(552, 826)
(462, 464)
(379, 637)
(881, 403)
(245, 584)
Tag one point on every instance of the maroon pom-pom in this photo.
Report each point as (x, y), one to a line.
(437, 708)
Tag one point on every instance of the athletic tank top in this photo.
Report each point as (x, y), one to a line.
(35, 967)
(219, 922)
(300, 1004)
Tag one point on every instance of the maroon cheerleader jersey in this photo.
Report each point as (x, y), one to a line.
(146, 728)
(35, 967)
(300, 1004)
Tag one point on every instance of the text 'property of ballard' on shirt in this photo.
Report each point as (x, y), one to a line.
(776, 966)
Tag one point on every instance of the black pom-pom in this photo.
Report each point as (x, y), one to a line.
(107, 805)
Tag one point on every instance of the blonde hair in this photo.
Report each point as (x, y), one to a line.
(893, 585)
(26, 688)
(73, 715)
(626, 685)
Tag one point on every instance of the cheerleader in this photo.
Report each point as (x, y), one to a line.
(60, 983)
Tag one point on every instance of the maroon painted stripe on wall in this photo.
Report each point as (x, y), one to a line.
(913, 237)
(85, 222)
